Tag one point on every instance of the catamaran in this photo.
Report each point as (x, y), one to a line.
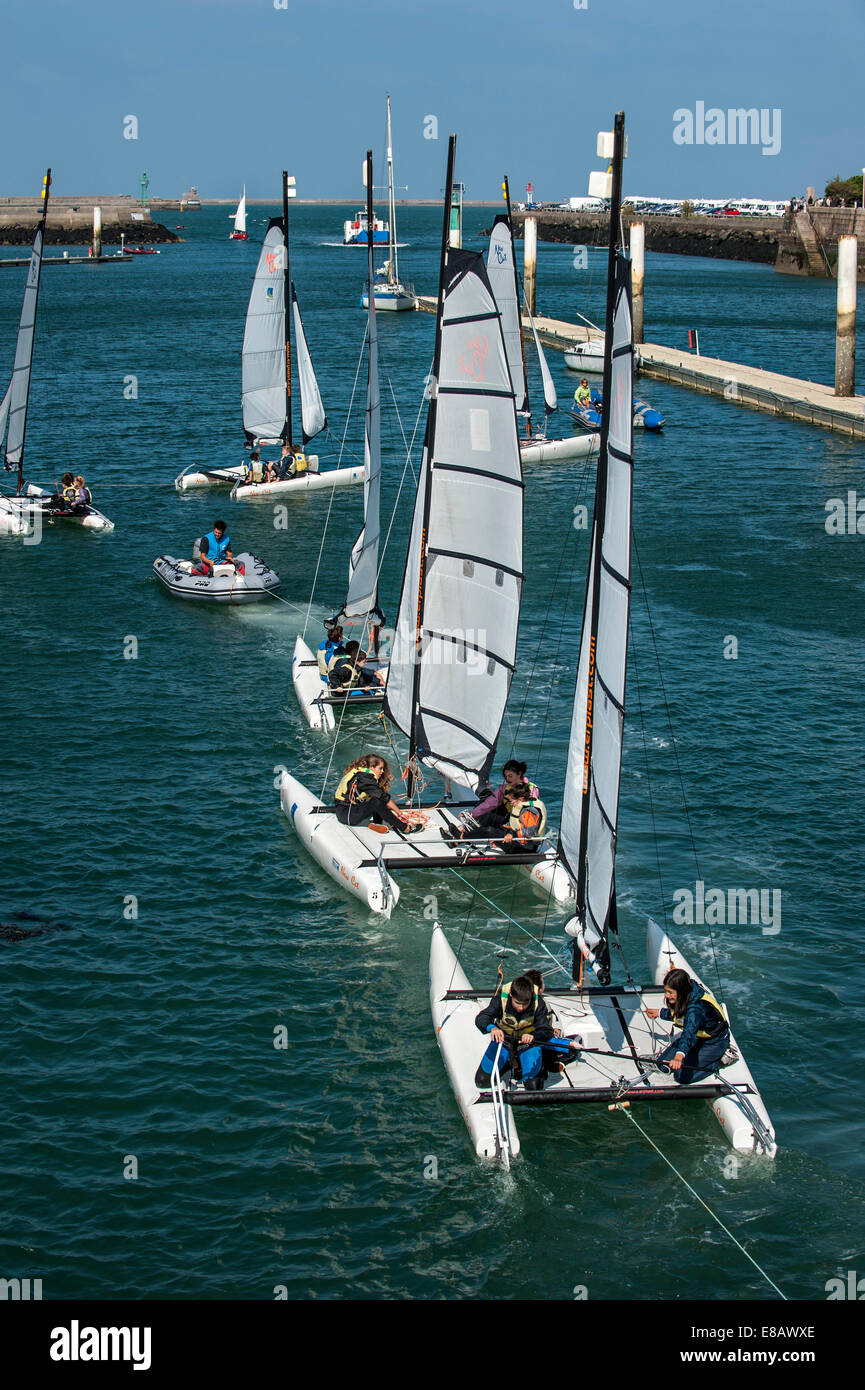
(266, 385)
(239, 233)
(360, 608)
(389, 291)
(31, 506)
(447, 686)
(502, 271)
(614, 1035)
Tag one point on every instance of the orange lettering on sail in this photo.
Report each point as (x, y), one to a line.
(589, 698)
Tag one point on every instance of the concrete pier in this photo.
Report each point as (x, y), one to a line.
(811, 402)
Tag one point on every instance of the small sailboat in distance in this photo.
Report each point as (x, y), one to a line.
(388, 290)
(615, 1036)
(239, 233)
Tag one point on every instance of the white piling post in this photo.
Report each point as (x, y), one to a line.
(530, 260)
(97, 232)
(638, 275)
(845, 324)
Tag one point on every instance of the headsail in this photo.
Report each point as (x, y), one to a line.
(4, 415)
(551, 400)
(312, 413)
(362, 597)
(501, 269)
(454, 651)
(264, 357)
(587, 841)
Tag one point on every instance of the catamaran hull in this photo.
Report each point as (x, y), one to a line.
(310, 688)
(729, 1112)
(307, 482)
(13, 520)
(462, 1047)
(225, 585)
(23, 514)
(336, 849)
(556, 450)
(211, 477)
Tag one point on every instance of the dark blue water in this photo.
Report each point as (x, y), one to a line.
(145, 1044)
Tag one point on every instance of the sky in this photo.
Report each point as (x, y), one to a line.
(227, 92)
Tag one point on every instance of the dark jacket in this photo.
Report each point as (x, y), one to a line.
(490, 1016)
(365, 782)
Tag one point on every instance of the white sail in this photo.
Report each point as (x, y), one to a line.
(4, 412)
(502, 277)
(551, 400)
(591, 798)
(240, 215)
(15, 401)
(453, 654)
(264, 357)
(312, 413)
(362, 598)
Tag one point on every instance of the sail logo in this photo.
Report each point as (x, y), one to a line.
(77, 1343)
(845, 518)
(501, 254)
(712, 907)
(736, 126)
(478, 352)
(270, 292)
(274, 260)
(589, 700)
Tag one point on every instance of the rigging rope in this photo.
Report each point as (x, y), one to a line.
(713, 1215)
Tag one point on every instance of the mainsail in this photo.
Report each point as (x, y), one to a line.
(240, 215)
(362, 597)
(587, 841)
(501, 270)
(265, 401)
(454, 651)
(15, 401)
(312, 413)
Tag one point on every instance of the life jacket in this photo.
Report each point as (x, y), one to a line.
(300, 463)
(256, 471)
(508, 793)
(70, 495)
(327, 650)
(346, 797)
(514, 1025)
(530, 821)
(216, 549)
(341, 657)
(706, 998)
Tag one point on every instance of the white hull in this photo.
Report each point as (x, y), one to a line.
(336, 848)
(389, 300)
(462, 1047)
(307, 482)
(555, 450)
(589, 357)
(14, 521)
(225, 585)
(309, 687)
(728, 1110)
(20, 516)
(214, 477)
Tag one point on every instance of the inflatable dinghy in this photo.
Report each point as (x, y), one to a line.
(245, 581)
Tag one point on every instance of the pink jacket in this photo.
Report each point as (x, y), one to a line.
(496, 799)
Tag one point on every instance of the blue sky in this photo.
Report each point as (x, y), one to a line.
(228, 91)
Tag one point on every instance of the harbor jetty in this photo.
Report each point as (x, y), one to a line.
(71, 219)
(805, 243)
(811, 402)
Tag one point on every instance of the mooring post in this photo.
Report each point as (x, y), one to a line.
(638, 275)
(97, 232)
(530, 260)
(845, 324)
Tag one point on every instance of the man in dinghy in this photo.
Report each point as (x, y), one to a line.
(215, 548)
(705, 1034)
(518, 1021)
(362, 795)
(583, 394)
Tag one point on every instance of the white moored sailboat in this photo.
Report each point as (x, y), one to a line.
(448, 685)
(239, 233)
(615, 1037)
(388, 290)
(25, 511)
(502, 271)
(266, 385)
(360, 609)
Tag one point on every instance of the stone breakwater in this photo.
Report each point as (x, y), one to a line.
(136, 233)
(70, 221)
(728, 238)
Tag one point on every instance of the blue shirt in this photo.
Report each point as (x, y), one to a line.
(698, 1014)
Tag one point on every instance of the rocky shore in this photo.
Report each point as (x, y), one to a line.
(726, 238)
(136, 233)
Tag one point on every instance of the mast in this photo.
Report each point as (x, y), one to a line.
(391, 204)
(430, 428)
(286, 434)
(507, 192)
(28, 312)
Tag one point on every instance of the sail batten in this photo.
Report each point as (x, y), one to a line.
(263, 373)
(312, 412)
(447, 686)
